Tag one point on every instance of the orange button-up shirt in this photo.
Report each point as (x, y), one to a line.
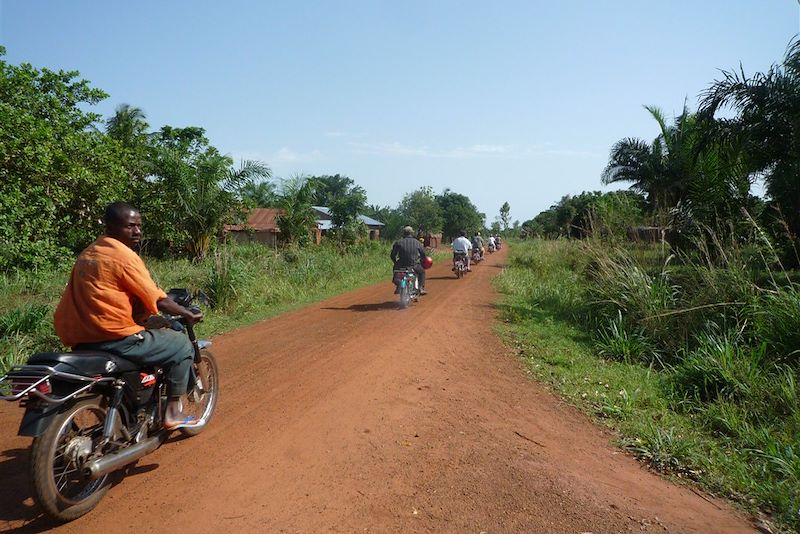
(108, 278)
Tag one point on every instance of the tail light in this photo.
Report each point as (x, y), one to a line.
(18, 385)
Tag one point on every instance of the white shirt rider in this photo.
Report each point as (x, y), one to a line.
(462, 245)
(491, 240)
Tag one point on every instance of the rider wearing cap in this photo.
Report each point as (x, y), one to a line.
(409, 252)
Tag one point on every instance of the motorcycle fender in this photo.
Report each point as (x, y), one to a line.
(36, 420)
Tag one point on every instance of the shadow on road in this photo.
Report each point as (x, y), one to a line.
(16, 494)
(388, 305)
(16, 500)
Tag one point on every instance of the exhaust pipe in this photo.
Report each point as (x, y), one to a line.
(111, 462)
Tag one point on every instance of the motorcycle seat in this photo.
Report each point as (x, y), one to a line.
(84, 362)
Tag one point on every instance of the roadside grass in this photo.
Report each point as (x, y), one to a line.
(246, 282)
(708, 394)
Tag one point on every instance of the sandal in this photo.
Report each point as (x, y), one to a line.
(188, 421)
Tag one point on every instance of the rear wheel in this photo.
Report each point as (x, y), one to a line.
(58, 456)
(404, 295)
(201, 402)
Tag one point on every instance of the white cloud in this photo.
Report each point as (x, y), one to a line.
(479, 150)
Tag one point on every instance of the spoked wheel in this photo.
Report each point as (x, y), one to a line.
(201, 402)
(57, 458)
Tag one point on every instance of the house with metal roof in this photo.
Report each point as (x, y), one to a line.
(324, 222)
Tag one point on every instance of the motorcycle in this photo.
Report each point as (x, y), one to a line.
(490, 248)
(476, 256)
(460, 265)
(91, 413)
(407, 286)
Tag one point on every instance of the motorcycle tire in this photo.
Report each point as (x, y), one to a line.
(57, 456)
(405, 297)
(203, 406)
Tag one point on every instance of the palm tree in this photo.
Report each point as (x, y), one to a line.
(683, 167)
(767, 127)
(211, 197)
(660, 170)
(260, 194)
(297, 219)
(128, 125)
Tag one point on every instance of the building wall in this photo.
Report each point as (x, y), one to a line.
(265, 238)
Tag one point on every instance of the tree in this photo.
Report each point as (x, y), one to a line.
(327, 189)
(390, 217)
(659, 169)
(589, 213)
(458, 213)
(421, 211)
(345, 212)
(682, 168)
(57, 171)
(346, 201)
(196, 190)
(767, 126)
(259, 194)
(505, 215)
(297, 219)
(212, 198)
(129, 127)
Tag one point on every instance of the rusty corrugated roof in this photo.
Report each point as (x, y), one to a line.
(259, 220)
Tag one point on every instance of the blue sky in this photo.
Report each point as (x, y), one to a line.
(516, 101)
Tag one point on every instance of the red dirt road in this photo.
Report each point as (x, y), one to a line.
(351, 415)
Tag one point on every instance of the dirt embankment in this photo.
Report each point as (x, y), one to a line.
(351, 415)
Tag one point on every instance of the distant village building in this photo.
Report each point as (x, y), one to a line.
(262, 226)
(325, 224)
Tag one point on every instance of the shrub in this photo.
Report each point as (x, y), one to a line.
(720, 367)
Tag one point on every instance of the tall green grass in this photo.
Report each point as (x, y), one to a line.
(693, 359)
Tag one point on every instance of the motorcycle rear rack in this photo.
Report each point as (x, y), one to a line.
(38, 374)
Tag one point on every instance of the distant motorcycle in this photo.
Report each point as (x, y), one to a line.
(476, 255)
(91, 413)
(490, 248)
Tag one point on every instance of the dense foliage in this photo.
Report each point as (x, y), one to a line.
(56, 170)
(693, 359)
(608, 214)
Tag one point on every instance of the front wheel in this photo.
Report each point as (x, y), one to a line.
(201, 402)
(58, 456)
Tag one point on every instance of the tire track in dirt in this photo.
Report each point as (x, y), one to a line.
(353, 415)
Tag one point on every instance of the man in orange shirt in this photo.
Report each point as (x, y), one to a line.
(108, 282)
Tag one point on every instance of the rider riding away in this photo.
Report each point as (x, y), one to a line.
(477, 243)
(97, 311)
(461, 249)
(409, 252)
